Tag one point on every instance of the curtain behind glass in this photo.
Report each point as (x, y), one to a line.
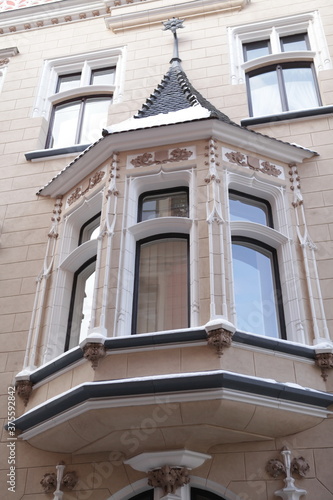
(163, 285)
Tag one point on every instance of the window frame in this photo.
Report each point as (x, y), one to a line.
(278, 68)
(74, 293)
(255, 245)
(135, 303)
(161, 192)
(81, 100)
(257, 200)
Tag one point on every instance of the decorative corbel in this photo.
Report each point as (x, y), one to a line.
(23, 390)
(168, 478)
(324, 359)
(276, 468)
(93, 352)
(52, 482)
(219, 334)
(93, 349)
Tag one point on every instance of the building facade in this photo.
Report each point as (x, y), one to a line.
(166, 254)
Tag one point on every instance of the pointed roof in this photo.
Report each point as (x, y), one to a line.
(176, 93)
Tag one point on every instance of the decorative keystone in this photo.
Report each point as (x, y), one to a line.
(219, 334)
(23, 390)
(168, 478)
(276, 468)
(324, 358)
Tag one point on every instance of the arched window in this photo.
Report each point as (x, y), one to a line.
(257, 287)
(196, 494)
(161, 290)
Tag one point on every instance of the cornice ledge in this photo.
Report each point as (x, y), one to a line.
(121, 19)
(56, 13)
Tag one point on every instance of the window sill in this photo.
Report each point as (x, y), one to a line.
(48, 154)
(288, 115)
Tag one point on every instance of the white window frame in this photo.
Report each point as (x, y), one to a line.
(135, 231)
(83, 63)
(272, 30)
(71, 258)
(280, 238)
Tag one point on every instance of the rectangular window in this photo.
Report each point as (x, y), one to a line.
(161, 297)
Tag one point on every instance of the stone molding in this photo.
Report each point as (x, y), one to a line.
(52, 482)
(219, 339)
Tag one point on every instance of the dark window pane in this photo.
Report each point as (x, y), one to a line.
(294, 42)
(164, 204)
(265, 95)
(90, 230)
(300, 88)
(255, 290)
(248, 209)
(256, 49)
(68, 82)
(94, 118)
(162, 292)
(64, 126)
(103, 76)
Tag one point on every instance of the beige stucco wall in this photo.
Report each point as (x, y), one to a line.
(25, 221)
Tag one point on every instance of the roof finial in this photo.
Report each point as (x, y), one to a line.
(174, 24)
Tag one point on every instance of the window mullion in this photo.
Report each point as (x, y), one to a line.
(80, 122)
(282, 88)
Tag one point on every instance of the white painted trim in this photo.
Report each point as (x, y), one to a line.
(272, 29)
(178, 458)
(181, 397)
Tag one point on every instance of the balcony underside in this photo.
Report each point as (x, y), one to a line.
(193, 411)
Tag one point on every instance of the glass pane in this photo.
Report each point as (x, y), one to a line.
(256, 308)
(82, 306)
(90, 230)
(68, 82)
(162, 302)
(103, 76)
(294, 42)
(300, 88)
(94, 119)
(64, 127)
(246, 209)
(265, 96)
(256, 49)
(173, 204)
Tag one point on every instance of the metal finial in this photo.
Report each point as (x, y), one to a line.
(174, 24)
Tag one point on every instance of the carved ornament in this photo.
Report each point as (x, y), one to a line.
(161, 157)
(53, 482)
(24, 390)
(168, 478)
(219, 339)
(324, 361)
(93, 352)
(79, 192)
(253, 163)
(49, 482)
(276, 468)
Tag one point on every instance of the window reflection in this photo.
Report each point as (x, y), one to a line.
(256, 291)
(164, 204)
(249, 209)
(81, 304)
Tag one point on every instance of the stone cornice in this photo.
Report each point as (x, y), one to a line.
(125, 18)
(50, 14)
